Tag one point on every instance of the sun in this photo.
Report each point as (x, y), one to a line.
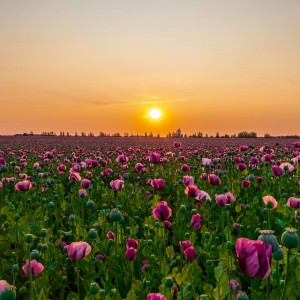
(155, 113)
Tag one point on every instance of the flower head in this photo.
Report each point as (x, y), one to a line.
(36, 267)
(162, 211)
(78, 250)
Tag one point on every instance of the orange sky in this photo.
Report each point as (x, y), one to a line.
(225, 66)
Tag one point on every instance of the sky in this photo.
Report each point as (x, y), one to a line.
(210, 66)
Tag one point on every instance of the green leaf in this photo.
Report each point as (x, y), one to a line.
(170, 252)
(188, 291)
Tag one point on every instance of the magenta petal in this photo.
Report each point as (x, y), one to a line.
(247, 256)
(264, 255)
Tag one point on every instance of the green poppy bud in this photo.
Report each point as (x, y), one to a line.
(290, 238)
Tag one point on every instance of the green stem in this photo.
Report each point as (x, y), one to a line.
(287, 274)
(78, 280)
(268, 288)
(30, 274)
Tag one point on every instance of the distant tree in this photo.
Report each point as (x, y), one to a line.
(206, 135)
(146, 135)
(68, 134)
(117, 134)
(200, 135)
(185, 136)
(76, 134)
(151, 134)
(217, 135)
(226, 135)
(245, 134)
(267, 135)
(83, 133)
(158, 135)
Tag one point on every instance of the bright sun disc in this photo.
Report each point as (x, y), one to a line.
(155, 113)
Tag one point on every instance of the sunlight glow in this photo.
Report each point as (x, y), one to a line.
(155, 114)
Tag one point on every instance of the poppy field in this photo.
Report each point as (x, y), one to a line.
(149, 218)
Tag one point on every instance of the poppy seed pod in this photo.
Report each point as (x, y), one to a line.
(268, 237)
(290, 238)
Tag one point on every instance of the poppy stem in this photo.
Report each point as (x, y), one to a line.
(268, 288)
(78, 280)
(286, 275)
(30, 274)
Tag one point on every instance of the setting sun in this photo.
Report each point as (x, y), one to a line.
(155, 114)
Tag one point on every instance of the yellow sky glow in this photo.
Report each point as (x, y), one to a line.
(209, 66)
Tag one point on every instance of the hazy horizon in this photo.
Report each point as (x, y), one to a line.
(210, 66)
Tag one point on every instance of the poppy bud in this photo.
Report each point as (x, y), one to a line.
(290, 238)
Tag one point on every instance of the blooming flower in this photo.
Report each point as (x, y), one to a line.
(78, 250)
(117, 185)
(214, 179)
(188, 180)
(82, 193)
(254, 257)
(3, 284)
(154, 158)
(122, 158)
(185, 168)
(293, 202)
(36, 267)
(156, 296)
(130, 253)
(277, 171)
(192, 191)
(85, 183)
(190, 253)
(74, 176)
(272, 200)
(162, 211)
(132, 243)
(157, 184)
(185, 244)
(233, 284)
(23, 186)
(196, 221)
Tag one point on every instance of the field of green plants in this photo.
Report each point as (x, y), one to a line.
(155, 219)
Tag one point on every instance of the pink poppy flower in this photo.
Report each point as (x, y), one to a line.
(74, 176)
(271, 199)
(192, 191)
(36, 267)
(85, 183)
(122, 159)
(156, 296)
(154, 158)
(277, 171)
(162, 211)
(82, 193)
(157, 184)
(185, 168)
(214, 179)
(254, 257)
(117, 185)
(188, 180)
(131, 253)
(23, 186)
(196, 221)
(185, 244)
(3, 284)
(78, 250)
(190, 253)
(293, 202)
(132, 243)
(206, 161)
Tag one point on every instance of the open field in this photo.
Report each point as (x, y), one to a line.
(149, 218)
